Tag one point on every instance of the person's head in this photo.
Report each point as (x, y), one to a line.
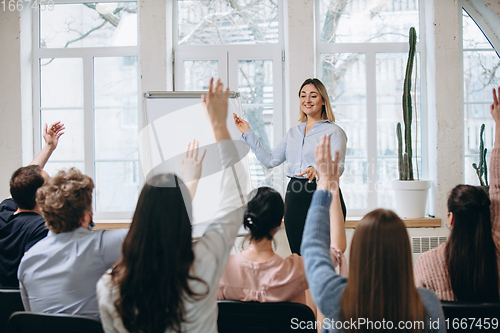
(153, 274)
(380, 283)
(264, 214)
(24, 183)
(470, 251)
(314, 98)
(66, 200)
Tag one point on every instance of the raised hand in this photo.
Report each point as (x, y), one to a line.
(52, 134)
(191, 165)
(495, 107)
(216, 104)
(310, 173)
(328, 169)
(241, 124)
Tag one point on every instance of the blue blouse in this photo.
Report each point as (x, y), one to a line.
(298, 149)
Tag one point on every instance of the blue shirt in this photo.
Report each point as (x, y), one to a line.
(298, 149)
(59, 273)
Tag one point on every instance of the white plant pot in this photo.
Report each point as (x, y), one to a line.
(411, 197)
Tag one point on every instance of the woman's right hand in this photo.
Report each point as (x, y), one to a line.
(241, 124)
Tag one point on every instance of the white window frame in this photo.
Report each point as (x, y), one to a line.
(87, 54)
(463, 5)
(228, 56)
(370, 50)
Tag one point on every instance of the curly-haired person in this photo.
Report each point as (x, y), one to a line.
(59, 274)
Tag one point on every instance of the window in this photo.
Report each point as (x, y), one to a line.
(86, 75)
(481, 76)
(362, 49)
(241, 43)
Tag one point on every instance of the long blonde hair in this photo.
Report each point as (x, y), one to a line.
(380, 284)
(326, 111)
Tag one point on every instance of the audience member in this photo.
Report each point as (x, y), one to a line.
(257, 273)
(165, 282)
(466, 267)
(21, 223)
(380, 288)
(59, 273)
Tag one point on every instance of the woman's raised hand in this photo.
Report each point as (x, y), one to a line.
(495, 107)
(328, 169)
(216, 103)
(241, 124)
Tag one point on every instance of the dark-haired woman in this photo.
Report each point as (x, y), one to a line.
(297, 149)
(257, 273)
(380, 289)
(466, 268)
(165, 282)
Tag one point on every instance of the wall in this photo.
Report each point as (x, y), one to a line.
(10, 98)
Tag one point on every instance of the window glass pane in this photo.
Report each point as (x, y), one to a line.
(117, 186)
(61, 82)
(475, 116)
(71, 144)
(255, 83)
(89, 24)
(116, 134)
(473, 37)
(228, 22)
(390, 72)
(344, 76)
(481, 75)
(361, 21)
(197, 74)
(115, 81)
(52, 168)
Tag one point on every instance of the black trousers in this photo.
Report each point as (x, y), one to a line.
(297, 201)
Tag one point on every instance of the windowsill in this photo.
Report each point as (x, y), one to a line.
(426, 222)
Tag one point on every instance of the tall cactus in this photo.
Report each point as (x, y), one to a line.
(408, 112)
(482, 168)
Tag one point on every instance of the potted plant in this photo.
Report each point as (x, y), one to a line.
(482, 168)
(410, 193)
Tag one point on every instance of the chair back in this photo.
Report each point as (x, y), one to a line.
(246, 317)
(462, 317)
(10, 302)
(29, 322)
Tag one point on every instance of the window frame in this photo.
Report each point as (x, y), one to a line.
(370, 50)
(87, 54)
(228, 56)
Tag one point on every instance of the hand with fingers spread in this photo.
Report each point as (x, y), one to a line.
(216, 102)
(328, 169)
(310, 173)
(191, 166)
(241, 124)
(52, 134)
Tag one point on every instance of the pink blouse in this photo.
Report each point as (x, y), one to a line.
(275, 280)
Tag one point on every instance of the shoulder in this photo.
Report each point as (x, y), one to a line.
(431, 258)
(104, 286)
(8, 205)
(335, 129)
(431, 301)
